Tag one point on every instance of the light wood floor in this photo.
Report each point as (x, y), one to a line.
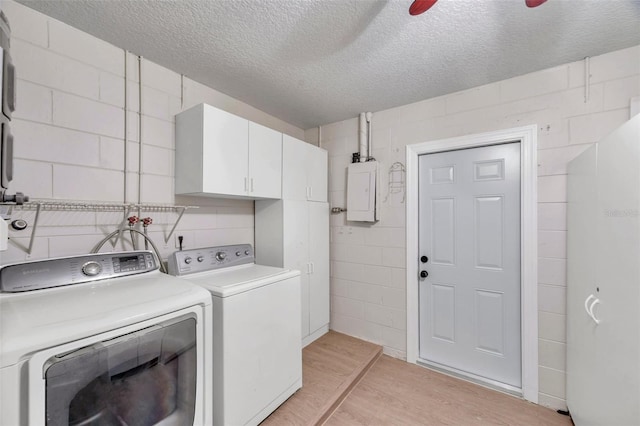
(331, 366)
(393, 392)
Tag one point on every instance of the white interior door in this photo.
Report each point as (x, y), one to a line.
(469, 289)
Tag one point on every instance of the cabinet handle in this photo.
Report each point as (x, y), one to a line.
(308, 196)
(309, 268)
(586, 303)
(251, 184)
(310, 192)
(246, 187)
(313, 268)
(591, 314)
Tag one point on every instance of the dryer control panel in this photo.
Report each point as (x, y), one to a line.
(49, 273)
(209, 258)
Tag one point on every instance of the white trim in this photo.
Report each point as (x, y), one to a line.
(315, 335)
(478, 380)
(527, 136)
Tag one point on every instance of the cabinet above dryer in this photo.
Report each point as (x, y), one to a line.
(219, 154)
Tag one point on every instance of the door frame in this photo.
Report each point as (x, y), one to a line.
(527, 136)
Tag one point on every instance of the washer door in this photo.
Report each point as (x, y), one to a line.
(136, 379)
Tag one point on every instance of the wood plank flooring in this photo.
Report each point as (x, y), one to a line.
(331, 366)
(346, 382)
(394, 392)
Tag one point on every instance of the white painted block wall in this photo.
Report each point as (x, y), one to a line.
(69, 128)
(368, 261)
(69, 132)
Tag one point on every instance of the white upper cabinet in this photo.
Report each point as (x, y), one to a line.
(265, 162)
(219, 154)
(304, 171)
(317, 177)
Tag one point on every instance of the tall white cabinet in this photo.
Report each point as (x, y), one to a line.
(219, 154)
(603, 288)
(294, 232)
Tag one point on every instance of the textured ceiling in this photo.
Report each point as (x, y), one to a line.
(312, 62)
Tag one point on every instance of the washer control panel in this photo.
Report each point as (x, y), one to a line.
(209, 258)
(49, 273)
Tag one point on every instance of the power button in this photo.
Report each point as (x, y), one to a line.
(91, 269)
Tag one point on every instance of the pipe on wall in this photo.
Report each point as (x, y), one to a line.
(140, 112)
(368, 116)
(362, 137)
(126, 125)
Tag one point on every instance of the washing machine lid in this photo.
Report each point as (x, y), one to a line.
(238, 279)
(35, 320)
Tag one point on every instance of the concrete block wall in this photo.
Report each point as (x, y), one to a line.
(69, 128)
(368, 285)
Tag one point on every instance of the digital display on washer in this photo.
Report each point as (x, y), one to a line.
(128, 263)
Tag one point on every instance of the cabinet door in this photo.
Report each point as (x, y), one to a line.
(224, 152)
(319, 257)
(582, 215)
(603, 252)
(296, 250)
(265, 162)
(305, 329)
(317, 179)
(294, 168)
(616, 375)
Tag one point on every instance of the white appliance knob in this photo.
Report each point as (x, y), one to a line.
(91, 269)
(187, 260)
(221, 256)
(200, 258)
(238, 253)
(247, 252)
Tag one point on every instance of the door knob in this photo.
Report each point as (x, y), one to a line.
(424, 274)
(424, 259)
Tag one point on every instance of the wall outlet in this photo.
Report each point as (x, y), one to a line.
(177, 238)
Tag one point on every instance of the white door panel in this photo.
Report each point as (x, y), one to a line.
(470, 231)
(317, 173)
(296, 250)
(443, 234)
(294, 168)
(265, 162)
(319, 256)
(225, 149)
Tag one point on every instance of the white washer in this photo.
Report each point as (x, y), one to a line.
(103, 339)
(257, 351)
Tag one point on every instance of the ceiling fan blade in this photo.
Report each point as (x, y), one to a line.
(421, 6)
(534, 3)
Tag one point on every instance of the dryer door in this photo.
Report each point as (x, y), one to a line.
(140, 378)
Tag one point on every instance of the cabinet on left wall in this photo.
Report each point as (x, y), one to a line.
(219, 154)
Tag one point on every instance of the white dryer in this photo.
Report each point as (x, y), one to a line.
(257, 351)
(102, 339)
